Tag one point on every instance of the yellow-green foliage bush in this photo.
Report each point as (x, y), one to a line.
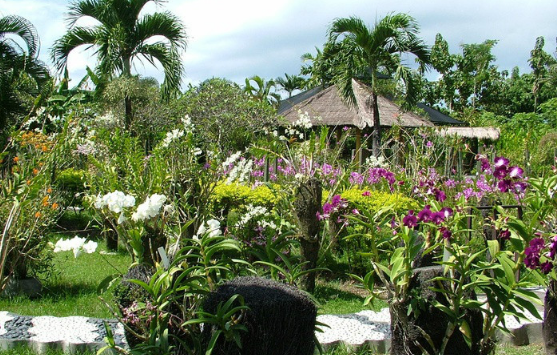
(377, 200)
(234, 195)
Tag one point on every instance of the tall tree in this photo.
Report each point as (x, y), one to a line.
(262, 90)
(122, 35)
(444, 63)
(475, 69)
(378, 49)
(541, 63)
(21, 73)
(290, 83)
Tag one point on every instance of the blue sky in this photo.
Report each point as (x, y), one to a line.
(241, 38)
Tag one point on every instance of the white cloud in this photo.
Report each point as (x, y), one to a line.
(238, 39)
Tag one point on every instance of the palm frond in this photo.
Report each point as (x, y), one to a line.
(162, 24)
(23, 28)
(83, 8)
(75, 37)
(171, 62)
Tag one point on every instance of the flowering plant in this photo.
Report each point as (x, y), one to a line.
(142, 230)
(77, 245)
(438, 234)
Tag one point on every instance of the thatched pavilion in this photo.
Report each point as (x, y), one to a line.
(327, 108)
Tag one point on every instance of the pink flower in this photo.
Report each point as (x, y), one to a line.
(425, 215)
(445, 233)
(501, 162)
(516, 172)
(410, 220)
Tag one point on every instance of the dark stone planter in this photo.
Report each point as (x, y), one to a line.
(29, 286)
(280, 321)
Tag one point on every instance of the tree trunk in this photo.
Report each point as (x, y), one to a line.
(128, 118)
(376, 135)
(306, 205)
(111, 237)
(550, 319)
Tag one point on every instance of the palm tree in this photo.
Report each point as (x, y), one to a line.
(290, 83)
(21, 73)
(262, 90)
(121, 36)
(376, 50)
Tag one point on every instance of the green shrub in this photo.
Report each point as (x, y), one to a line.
(71, 183)
(376, 200)
(229, 196)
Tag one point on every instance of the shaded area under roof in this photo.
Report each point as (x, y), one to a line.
(326, 107)
(438, 117)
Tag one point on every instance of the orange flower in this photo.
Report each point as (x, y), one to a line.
(28, 182)
(35, 171)
(54, 206)
(16, 159)
(41, 164)
(37, 214)
(45, 148)
(49, 190)
(45, 200)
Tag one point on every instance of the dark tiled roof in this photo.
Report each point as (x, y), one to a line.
(438, 117)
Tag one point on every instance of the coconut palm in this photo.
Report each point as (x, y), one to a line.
(291, 83)
(22, 75)
(262, 90)
(375, 50)
(123, 35)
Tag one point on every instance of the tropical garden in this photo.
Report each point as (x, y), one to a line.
(164, 195)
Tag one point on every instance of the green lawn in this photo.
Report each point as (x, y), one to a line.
(71, 288)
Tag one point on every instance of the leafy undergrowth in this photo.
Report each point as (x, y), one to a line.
(71, 287)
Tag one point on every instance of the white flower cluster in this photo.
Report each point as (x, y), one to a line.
(374, 162)
(77, 245)
(188, 125)
(85, 148)
(303, 120)
(108, 118)
(231, 159)
(240, 172)
(210, 227)
(252, 212)
(150, 208)
(171, 136)
(115, 201)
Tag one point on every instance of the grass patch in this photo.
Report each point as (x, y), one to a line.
(507, 349)
(24, 350)
(342, 298)
(71, 287)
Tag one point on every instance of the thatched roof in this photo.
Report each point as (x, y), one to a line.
(490, 133)
(326, 108)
